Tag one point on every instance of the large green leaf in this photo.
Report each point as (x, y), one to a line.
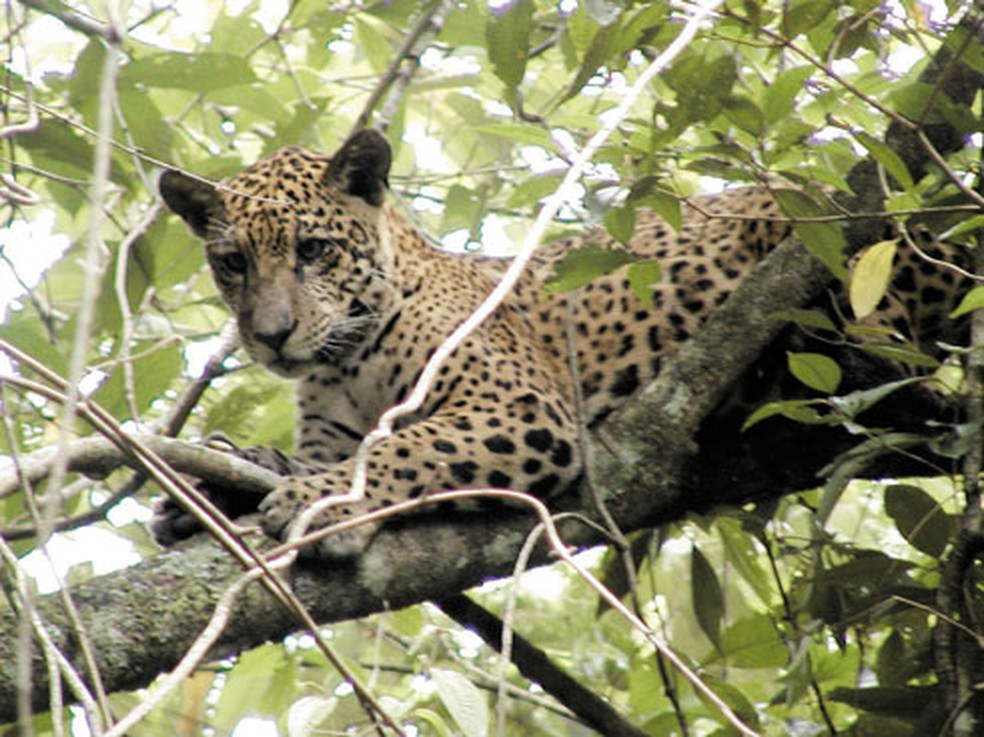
(464, 702)
(201, 72)
(824, 240)
(753, 642)
(801, 16)
(153, 371)
(307, 714)
(886, 157)
(707, 598)
(920, 519)
(508, 38)
(816, 370)
(973, 300)
(581, 265)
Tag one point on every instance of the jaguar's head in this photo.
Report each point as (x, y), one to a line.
(298, 247)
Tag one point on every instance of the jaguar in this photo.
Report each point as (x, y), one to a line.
(332, 287)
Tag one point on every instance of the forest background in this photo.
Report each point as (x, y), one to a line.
(813, 604)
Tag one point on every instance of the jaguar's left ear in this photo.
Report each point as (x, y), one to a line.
(361, 166)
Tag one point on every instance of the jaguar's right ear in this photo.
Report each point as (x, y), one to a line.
(361, 166)
(196, 201)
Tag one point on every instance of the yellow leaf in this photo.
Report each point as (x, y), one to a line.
(869, 280)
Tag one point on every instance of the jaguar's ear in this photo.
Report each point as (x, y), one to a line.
(196, 201)
(361, 166)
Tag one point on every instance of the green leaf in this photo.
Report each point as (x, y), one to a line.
(168, 253)
(870, 277)
(739, 703)
(245, 406)
(59, 149)
(620, 223)
(920, 519)
(745, 114)
(604, 12)
(701, 85)
(464, 702)
(25, 333)
(807, 318)
(666, 206)
(597, 54)
(256, 671)
(463, 209)
(371, 34)
(581, 265)
(528, 134)
(746, 557)
(909, 702)
(255, 99)
(973, 300)
(196, 72)
(963, 227)
(236, 34)
(802, 16)
(300, 127)
(643, 275)
(753, 642)
(797, 410)
(307, 714)
(823, 240)
(858, 401)
(902, 353)
(816, 370)
(706, 596)
(886, 157)
(799, 674)
(146, 123)
(153, 373)
(435, 721)
(780, 96)
(529, 192)
(508, 37)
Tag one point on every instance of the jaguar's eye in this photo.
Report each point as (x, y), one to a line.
(233, 262)
(310, 249)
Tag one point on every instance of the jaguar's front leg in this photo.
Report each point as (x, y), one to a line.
(284, 505)
(172, 522)
(538, 454)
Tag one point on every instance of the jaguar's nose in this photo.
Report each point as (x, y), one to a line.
(274, 340)
(272, 328)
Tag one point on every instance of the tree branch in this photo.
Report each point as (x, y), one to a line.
(76, 21)
(535, 665)
(98, 457)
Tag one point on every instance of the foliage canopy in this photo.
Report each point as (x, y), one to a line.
(810, 614)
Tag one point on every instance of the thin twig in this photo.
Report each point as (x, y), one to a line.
(506, 641)
(424, 25)
(123, 300)
(75, 20)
